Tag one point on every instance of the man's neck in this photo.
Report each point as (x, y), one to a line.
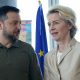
(5, 42)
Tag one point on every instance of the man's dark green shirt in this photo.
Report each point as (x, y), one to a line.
(19, 62)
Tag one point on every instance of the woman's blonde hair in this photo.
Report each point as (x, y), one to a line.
(67, 14)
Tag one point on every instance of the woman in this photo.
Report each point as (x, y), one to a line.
(63, 62)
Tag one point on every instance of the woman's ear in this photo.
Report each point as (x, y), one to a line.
(69, 25)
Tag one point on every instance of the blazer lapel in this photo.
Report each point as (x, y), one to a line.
(55, 61)
(64, 54)
(73, 41)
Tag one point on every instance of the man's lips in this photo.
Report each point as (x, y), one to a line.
(17, 32)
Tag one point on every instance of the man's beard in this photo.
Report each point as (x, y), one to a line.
(10, 37)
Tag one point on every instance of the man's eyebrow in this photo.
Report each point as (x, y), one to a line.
(17, 21)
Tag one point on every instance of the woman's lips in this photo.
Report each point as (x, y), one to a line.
(54, 33)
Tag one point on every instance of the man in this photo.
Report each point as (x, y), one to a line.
(17, 59)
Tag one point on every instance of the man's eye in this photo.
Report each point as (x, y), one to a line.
(15, 23)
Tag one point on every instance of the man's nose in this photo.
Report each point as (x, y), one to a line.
(19, 26)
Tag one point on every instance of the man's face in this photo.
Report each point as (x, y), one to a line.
(12, 26)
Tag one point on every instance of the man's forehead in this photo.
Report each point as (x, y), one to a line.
(13, 15)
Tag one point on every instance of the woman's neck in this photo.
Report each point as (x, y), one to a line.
(62, 45)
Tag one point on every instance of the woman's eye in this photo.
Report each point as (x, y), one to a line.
(49, 24)
(56, 22)
(53, 23)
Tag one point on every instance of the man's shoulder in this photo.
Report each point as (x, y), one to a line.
(24, 44)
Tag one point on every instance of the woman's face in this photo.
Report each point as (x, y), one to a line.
(58, 28)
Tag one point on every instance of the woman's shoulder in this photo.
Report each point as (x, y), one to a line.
(51, 53)
(77, 46)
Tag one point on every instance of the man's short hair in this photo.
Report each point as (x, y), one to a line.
(5, 9)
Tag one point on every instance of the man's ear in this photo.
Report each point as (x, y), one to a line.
(1, 25)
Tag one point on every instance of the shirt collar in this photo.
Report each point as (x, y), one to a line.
(16, 44)
(1, 45)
